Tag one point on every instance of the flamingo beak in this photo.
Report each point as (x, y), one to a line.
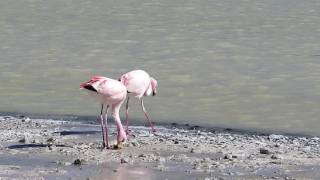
(154, 93)
(82, 85)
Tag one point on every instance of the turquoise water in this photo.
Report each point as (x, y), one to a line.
(245, 63)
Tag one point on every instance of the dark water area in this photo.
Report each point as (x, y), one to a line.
(239, 64)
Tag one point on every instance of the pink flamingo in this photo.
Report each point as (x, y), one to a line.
(108, 92)
(139, 84)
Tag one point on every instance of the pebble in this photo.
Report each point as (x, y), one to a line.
(123, 161)
(50, 140)
(135, 144)
(274, 156)
(67, 163)
(142, 155)
(77, 162)
(227, 156)
(23, 140)
(264, 151)
(275, 137)
(161, 160)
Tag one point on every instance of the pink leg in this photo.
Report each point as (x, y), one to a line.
(122, 136)
(127, 116)
(145, 113)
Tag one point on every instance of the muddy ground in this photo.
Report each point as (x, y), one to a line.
(51, 149)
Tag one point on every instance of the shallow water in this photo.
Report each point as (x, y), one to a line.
(245, 63)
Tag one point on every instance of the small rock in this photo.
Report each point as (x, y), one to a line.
(142, 155)
(194, 127)
(122, 161)
(274, 156)
(50, 140)
(296, 142)
(78, 162)
(115, 170)
(161, 167)
(196, 166)
(161, 160)
(275, 162)
(23, 140)
(227, 156)
(26, 119)
(275, 137)
(264, 151)
(67, 163)
(53, 147)
(135, 144)
(277, 145)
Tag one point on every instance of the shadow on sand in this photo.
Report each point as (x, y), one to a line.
(66, 133)
(20, 146)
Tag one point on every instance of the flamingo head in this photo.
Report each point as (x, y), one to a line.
(154, 85)
(92, 84)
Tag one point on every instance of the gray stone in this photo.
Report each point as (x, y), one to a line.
(264, 151)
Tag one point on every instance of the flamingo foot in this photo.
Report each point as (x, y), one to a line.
(119, 145)
(104, 146)
(107, 147)
(122, 136)
(153, 130)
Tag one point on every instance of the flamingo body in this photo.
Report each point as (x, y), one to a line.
(105, 90)
(139, 84)
(108, 92)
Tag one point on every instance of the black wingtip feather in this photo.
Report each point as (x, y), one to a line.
(90, 88)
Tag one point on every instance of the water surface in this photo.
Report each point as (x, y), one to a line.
(245, 63)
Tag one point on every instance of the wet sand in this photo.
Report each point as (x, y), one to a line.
(50, 149)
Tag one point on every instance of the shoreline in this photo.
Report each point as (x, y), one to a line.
(73, 150)
(91, 119)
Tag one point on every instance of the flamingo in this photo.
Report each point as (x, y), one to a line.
(108, 92)
(139, 84)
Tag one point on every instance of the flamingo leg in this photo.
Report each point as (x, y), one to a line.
(147, 116)
(102, 127)
(122, 136)
(127, 116)
(103, 119)
(106, 126)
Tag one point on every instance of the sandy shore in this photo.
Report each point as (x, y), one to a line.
(47, 149)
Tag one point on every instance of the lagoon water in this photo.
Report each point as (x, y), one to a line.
(244, 63)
